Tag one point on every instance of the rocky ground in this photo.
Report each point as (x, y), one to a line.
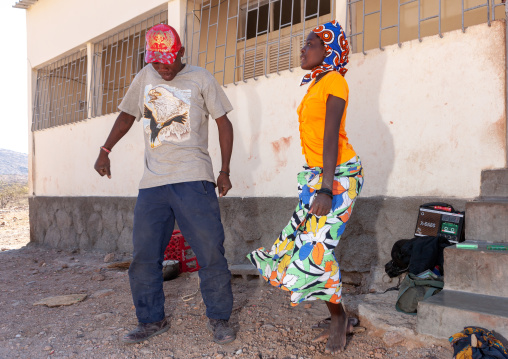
(268, 327)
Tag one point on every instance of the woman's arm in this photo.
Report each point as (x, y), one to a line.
(334, 110)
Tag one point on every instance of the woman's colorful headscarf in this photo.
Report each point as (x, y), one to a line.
(337, 50)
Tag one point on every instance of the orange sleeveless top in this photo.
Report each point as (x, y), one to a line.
(311, 116)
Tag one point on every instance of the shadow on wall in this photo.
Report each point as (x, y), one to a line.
(362, 245)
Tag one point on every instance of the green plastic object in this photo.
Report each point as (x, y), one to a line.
(498, 247)
(467, 245)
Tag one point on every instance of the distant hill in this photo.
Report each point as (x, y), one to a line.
(13, 163)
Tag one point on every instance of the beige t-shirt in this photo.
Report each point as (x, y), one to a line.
(175, 123)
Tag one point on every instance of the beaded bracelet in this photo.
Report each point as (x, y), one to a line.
(326, 191)
(105, 149)
(226, 173)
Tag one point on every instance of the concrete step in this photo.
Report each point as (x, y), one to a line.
(448, 312)
(494, 183)
(377, 313)
(487, 220)
(479, 270)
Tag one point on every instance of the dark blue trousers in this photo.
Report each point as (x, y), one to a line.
(195, 207)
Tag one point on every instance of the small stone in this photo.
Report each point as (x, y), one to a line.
(307, 306)
(18, 335)
(110, 257)
(61, 300)
(98, 277)
(239, 351)
(392, 338)
(102, 316)
(48, 348)
(378, 355)
(102, 293)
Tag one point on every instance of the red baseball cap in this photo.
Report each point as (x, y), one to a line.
(162, 44)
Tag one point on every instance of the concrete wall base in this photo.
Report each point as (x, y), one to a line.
(105, 224)
(448, 312)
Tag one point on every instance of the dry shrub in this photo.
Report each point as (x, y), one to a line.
(12, 193)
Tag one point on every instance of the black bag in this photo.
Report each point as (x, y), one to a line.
(417, 255)
(401, 256)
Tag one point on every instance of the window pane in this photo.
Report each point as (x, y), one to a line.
(285, 18)
(311, 8)
(262, 22)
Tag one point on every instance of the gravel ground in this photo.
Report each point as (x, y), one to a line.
(267, 326)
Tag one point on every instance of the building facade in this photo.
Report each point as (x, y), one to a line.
(427, 113)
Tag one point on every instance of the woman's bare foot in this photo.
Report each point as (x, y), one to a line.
(338, 327)
(351, 322)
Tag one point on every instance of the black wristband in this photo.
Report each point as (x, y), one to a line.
(226, 173)
(326, 191)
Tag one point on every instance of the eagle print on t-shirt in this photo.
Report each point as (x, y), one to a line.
(166, 114)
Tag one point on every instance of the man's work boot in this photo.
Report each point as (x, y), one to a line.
(145, 331)
(222, 332)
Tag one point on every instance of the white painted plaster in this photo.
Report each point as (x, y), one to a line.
(426, 119)
(66, 155)
(55, 26)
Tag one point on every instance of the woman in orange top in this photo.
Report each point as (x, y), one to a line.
(302, 260)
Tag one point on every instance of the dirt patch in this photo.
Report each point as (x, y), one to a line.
(268, 327)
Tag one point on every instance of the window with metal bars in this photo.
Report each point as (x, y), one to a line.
(116, 61)
(61, 92)
(378, 23)
(241, 39)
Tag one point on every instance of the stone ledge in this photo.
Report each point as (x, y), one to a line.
(377, 312)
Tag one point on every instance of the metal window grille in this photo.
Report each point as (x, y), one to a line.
(241, 39)
(116, 61)
(60, 92)
(367, 21)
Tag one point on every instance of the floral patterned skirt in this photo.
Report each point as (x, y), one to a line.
(302, 260)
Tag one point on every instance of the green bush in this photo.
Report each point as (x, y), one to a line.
(12, 193)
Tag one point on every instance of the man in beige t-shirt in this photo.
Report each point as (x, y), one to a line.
(174, 101)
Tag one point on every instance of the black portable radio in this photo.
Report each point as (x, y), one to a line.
(440, 220)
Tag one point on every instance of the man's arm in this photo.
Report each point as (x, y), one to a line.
(226, 148)
(122, 125)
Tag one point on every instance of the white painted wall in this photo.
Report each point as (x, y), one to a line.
(55, 26)
(425, 118)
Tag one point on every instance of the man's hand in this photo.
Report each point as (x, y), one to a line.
(102, 165)
(223, 184)
(122, 125)
(322, 205)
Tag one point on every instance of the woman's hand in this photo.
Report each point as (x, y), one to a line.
(322, 205)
